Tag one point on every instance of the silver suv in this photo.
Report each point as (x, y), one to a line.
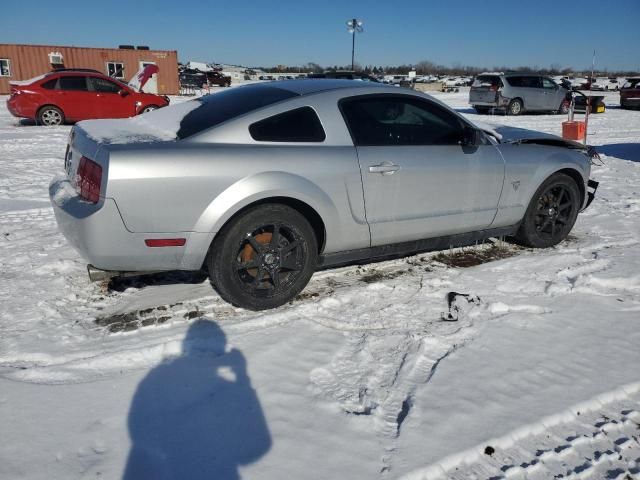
(517, 93)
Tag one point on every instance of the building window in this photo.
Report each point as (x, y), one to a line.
(115, 70)
(5, 67)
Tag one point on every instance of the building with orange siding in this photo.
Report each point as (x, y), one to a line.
(21, 62)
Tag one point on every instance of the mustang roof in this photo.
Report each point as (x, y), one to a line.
(307, 86)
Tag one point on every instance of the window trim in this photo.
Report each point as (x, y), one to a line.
(115, 62)
(8, 60)
(463, 123)
(296, 142)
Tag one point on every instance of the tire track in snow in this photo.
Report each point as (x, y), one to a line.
(597, 439)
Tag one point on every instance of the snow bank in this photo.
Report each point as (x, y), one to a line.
(159, 125)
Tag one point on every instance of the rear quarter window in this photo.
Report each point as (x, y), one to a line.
(299, 125)
(50, 84)
(220, 107)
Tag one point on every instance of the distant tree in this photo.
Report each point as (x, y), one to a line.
(313, 67)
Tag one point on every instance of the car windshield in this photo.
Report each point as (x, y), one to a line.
(220, 107)
(631, 83)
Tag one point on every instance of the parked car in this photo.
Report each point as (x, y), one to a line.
(276, 180)
(394, 79)
(218, 78)
(73, 95)
(344, 75)
(630, 93)
(517, 93)
(613, 84)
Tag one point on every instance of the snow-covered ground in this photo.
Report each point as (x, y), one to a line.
(358, 378)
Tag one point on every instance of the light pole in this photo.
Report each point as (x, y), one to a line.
(354, 26)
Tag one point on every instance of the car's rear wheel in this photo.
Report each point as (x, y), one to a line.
(515, 107)
(481, 110)
(50, 116)
(264, 257)
(148, 108)
(551, 214)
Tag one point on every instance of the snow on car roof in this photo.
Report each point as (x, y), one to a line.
(159, 125)
(18, 83)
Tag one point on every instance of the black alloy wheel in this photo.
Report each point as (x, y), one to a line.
(551, 214)
(263, 258)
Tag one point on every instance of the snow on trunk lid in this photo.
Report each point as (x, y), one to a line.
(157, 126)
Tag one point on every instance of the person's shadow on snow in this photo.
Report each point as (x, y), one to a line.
(196, 416)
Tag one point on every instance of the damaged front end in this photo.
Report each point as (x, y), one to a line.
(588, 150)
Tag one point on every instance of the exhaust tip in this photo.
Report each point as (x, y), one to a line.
(97, 275)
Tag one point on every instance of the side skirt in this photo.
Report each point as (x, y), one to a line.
(396, 250)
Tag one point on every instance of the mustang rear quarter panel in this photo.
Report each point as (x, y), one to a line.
(527, 167)
(197, 187)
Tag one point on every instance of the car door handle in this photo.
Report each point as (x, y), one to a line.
(385, 168)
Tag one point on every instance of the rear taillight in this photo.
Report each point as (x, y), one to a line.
(89, 177)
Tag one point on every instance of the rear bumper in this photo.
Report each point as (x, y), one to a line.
(15, 110)
(98, 233)
(498, 102)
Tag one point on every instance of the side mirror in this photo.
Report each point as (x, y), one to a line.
(470, 137)
(123, 92)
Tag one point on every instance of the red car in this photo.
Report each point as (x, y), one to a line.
(630, 93)
(74, 95)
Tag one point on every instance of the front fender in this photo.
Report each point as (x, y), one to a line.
(527, 167)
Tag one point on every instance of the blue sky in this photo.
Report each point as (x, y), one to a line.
(483, 33)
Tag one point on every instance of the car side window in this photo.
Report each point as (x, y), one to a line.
(399, 120)
(299, 125)
(548, 83)
(50, 85)
(535, 82)
(515, 81)
(104, 86)
(72, 83)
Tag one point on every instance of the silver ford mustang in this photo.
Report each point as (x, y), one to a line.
(265, 183)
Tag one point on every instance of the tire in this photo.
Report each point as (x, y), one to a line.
(564, 108)
(551, 213)
(481, 110)
(148, 108)
(515, 107)
(50, 116)
(252, 268)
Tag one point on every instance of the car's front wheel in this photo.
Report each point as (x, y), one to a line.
(148, 108)
(564, 107)
(551, 213)
(50, 116)
(264, 257)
